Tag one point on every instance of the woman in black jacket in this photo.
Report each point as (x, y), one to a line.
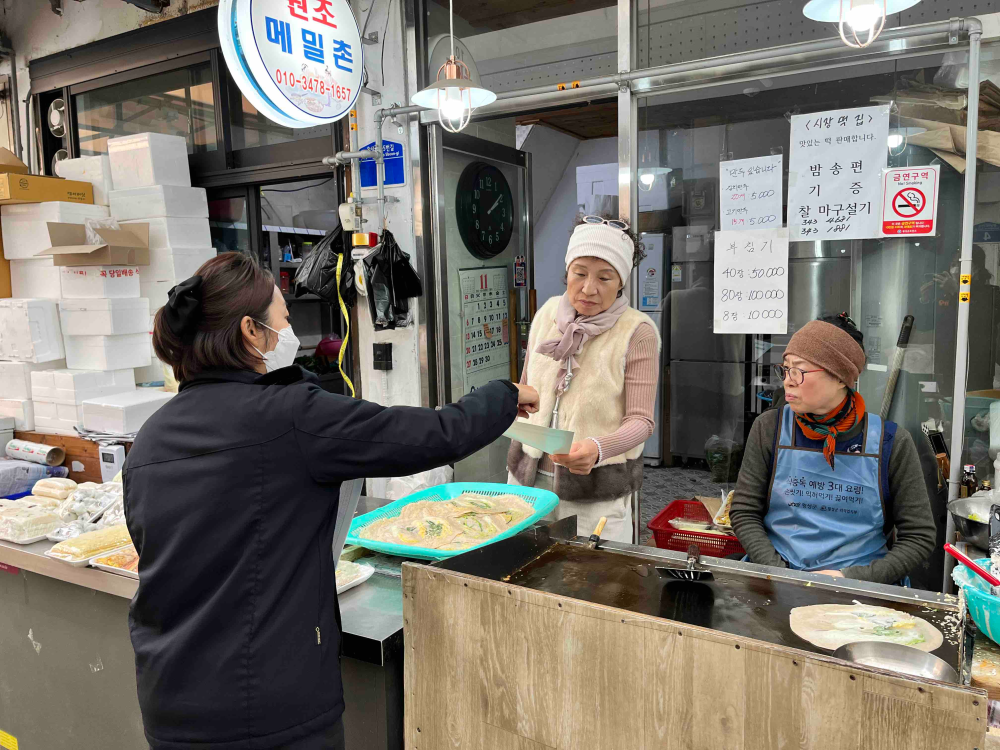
(231, 494)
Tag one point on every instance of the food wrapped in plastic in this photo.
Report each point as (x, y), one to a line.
(42, 501)
(91, 544)
(73, 529)
(57, 488)
(26, 524)
(124, 559)
(88, 499)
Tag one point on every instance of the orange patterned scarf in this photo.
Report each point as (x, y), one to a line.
(828, 426)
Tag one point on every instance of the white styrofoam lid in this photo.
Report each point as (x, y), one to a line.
(104, 303)
(131, 398)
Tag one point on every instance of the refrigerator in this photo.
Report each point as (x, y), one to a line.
(719, 383)
(651, 294)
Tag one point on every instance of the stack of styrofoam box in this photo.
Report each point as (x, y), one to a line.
(30, 337)
(58, 395)
(153, 186)
(25, 234)
(123, 413)
(104, 320)
(93, 169)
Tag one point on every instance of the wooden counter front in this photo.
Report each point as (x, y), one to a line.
(501, 667)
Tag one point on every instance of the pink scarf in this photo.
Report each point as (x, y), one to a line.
(576, 331)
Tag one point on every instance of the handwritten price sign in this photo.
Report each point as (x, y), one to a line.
(751, 281)
(750, 191)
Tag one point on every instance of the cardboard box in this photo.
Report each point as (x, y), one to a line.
(30, 331)
(123, 413)
(24, 226)
(121, 247)
(104, 317)
(147, 159)
(11, 164)
(32, 188)
(16, 377)
(76, 386)
(99, 282)
(159, 201)
(93, 169)
(22, 410)
(127, 351)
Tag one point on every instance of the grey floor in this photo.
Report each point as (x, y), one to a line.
(662, 485)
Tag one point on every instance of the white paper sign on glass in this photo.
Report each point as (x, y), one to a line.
(751, 196)
(751, 282)
(835, 174)
(299, 62)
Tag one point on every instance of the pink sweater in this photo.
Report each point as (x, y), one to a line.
(642, 368)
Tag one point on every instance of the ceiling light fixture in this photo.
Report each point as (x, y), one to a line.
(453, 94)
(863, 19)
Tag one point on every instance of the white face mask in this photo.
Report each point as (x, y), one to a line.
(284, 351)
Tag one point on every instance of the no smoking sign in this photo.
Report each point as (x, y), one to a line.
(909, 201)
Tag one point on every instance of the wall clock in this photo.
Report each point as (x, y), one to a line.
(485, 210)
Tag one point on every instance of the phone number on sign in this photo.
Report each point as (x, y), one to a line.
(315, 85)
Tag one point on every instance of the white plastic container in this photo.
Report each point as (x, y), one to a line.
(148, 159)
(124, 412)
(58, 418)
(25, 230)
(37, 278)
(16, 377)
(104, 317)
(22, 411)
(174, 265)
(175, 233)
(76, 386)
(157, 292)
(93, 169)
(159, 201)
(99, 282)
(30, 331)
(107, 352)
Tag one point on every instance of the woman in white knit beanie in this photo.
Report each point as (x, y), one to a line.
(595, 362)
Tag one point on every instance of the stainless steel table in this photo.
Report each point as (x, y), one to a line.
(67, 674)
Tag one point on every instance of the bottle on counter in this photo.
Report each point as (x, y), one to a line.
(969, 484)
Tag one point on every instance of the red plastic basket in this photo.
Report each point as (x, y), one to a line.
(711, 545)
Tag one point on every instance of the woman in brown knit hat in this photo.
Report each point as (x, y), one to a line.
(826, 486)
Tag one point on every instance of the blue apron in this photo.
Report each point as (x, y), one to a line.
(819, 518)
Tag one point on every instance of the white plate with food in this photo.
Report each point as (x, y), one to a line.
(352, 574)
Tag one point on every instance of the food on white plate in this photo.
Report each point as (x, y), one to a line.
(348, 572)
(87, 499)
(57, 488)
(455, 524)
(91, 544)
(22, 523)
(124, 559)
(831, 626)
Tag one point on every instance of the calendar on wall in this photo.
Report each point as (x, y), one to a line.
(485, 325)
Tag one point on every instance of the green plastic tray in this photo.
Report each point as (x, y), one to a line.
(543, 502)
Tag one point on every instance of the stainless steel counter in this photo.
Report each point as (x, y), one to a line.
(66, 629)
(371, 614)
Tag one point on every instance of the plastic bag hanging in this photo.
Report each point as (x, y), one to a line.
(390, 282)
(318, 273)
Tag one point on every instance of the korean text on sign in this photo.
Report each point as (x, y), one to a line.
(751, 193)
(751, 282)
(835, 174)
(910, 201)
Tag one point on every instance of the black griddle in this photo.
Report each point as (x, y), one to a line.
(750, 606)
